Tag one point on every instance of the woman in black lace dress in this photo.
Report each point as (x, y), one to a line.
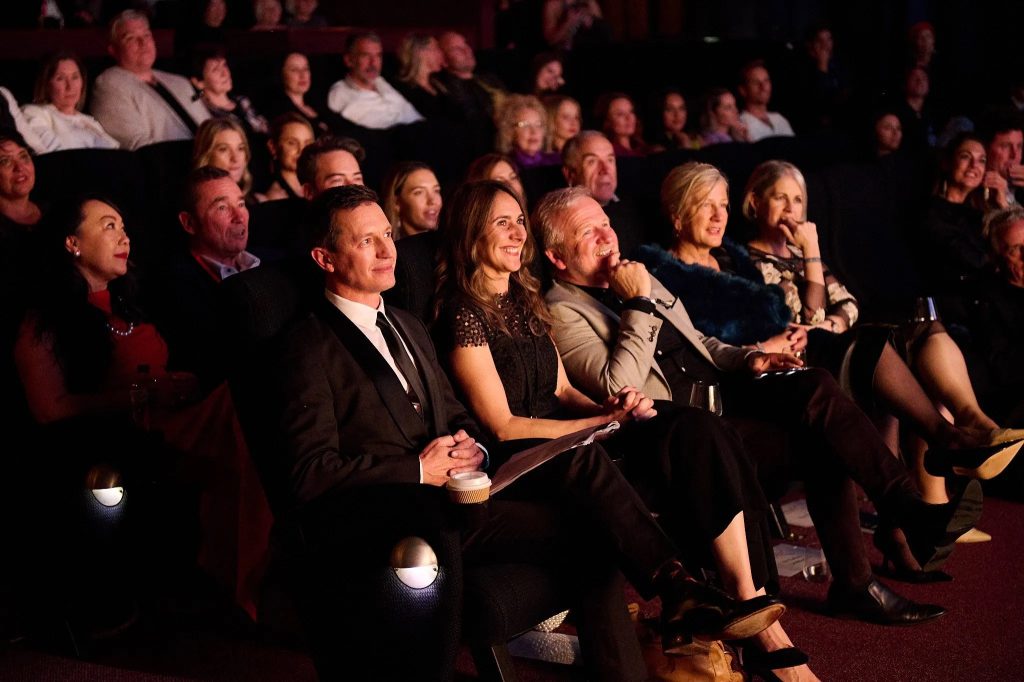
(493, 330)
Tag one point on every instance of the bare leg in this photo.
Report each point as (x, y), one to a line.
(730, 549)
(933, 488)
(940, 366)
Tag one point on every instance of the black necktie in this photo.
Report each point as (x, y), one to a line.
(404, 362)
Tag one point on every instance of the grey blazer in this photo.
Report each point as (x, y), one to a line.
(603, 352)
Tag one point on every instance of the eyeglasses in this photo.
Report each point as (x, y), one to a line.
(529, 124)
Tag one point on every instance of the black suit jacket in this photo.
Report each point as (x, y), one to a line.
(346, 420)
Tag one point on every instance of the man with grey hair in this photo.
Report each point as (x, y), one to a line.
(615, 326)
(588, 160)
(363, 97)
(137, 104)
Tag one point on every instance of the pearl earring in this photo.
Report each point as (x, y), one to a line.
(77, 253)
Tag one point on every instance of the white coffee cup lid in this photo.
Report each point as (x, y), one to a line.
(469, 480)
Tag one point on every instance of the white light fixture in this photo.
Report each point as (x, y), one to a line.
(105, 484)
(414, 562)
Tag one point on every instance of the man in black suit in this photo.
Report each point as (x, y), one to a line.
(367, 404)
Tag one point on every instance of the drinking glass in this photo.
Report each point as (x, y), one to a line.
(924, 310)
(706, 397)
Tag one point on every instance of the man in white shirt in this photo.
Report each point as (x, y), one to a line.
(363, 97)
(137, 104)
(756, 90)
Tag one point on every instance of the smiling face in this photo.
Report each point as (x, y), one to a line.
(621, 119)
(705, 227)
(673, 113)
(220, 227)
(968, 165)
(528, 131)
(419, 203)
(364, 62)
(134, 48)
(500, 249)
(589, 244)
(888, 133)
(65, 86)
(17, 171)
(101, 243)
(293, 139)
(295, 74)
(230, 152)
(217, 76)
(361, 263)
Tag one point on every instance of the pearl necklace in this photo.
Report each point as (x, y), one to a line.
(121, 332)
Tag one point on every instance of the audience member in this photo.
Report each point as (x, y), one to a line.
(522, 131)
(919, 127)
(1003, 136)
(588, 160)
(303, 14)
(211, 77)
(546, 74)
(12, 118)
(56, 113)
(330, 162)
(420, 61)
(202, 23)
(222, 143)
(367, 371)
(570, 24)
(755, 88)
(564, 120)
(290, 133)
(821, 84)
(478, 96)
(268, 15)
(668, 118)
(617, 115)
(137, 104)
(921, 45)
(608, 343)
(498, 167)
(296, 80)
(17, 180)
(216, 220)
(412, 199)
(363, 97)
(887, 133)
(720, 120)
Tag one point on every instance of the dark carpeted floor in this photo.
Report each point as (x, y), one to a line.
(980, 638)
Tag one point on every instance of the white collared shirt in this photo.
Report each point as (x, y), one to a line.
(382, 107)
(365, 319)
(245, 260)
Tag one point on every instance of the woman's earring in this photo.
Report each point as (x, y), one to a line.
(945, 188)
(77, 253)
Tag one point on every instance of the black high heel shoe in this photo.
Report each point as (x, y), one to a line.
(758, 663)
(982, 462)
(898, 562)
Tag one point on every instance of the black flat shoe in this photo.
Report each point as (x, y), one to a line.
(691, 608)
(758, 663)
(876, 603)
(983, 462)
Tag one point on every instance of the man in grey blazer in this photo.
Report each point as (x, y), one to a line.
(137, 104)
(616, 326)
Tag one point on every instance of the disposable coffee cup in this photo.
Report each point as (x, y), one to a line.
(469, 487)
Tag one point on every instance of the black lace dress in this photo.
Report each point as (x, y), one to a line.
(696, 476)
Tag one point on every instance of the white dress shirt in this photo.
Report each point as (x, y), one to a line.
(365, 319)
(757, 129)
(381, 107)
